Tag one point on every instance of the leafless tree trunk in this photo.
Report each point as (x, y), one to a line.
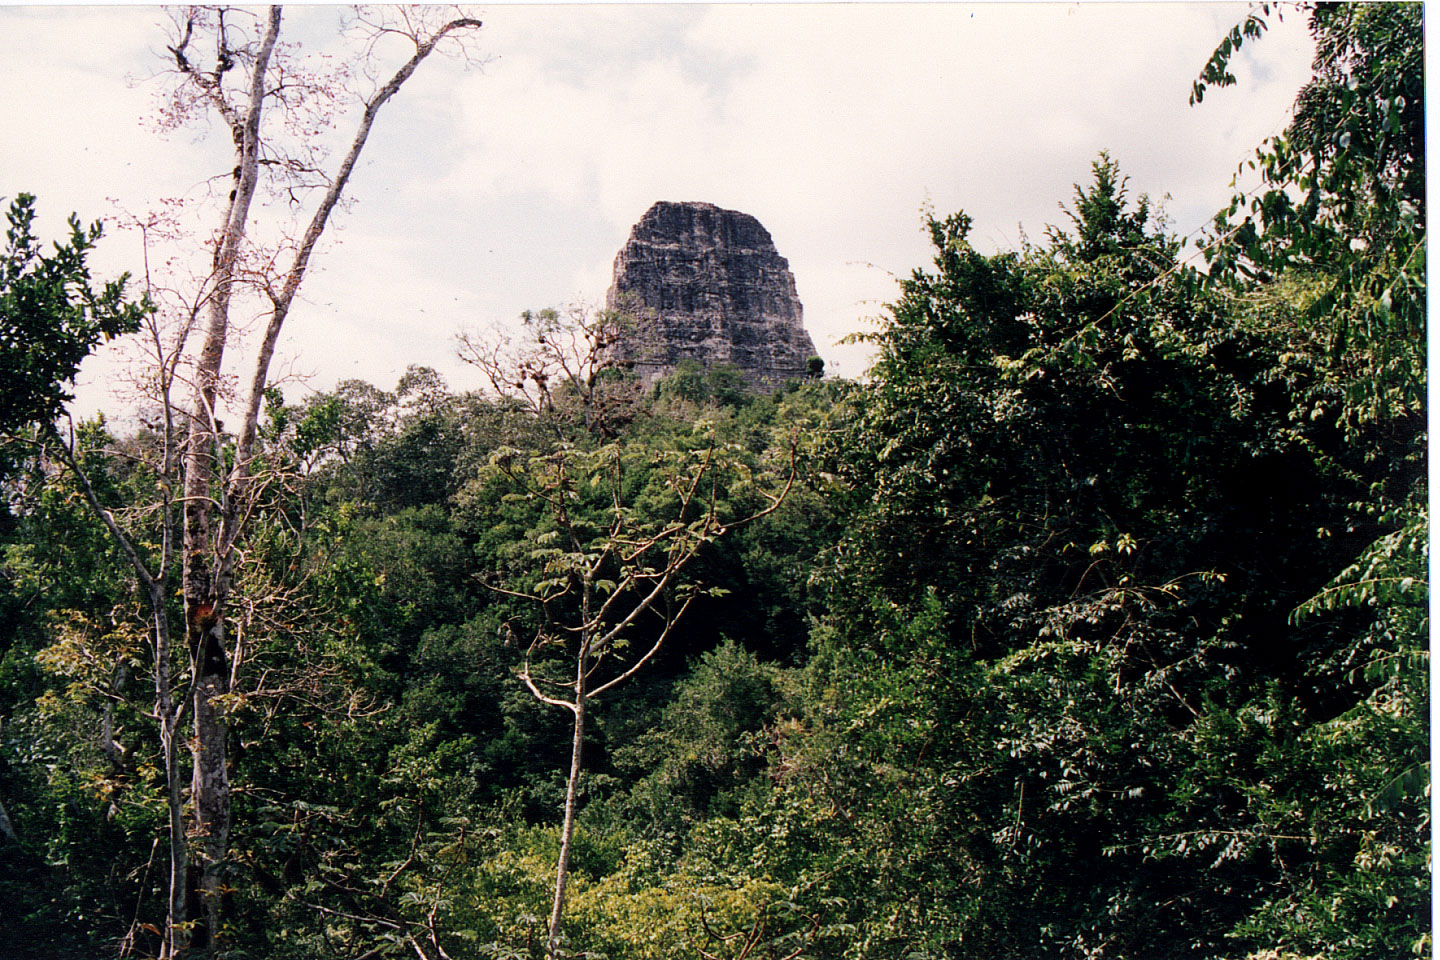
(567, 827)
(209, 552)
(237, 80)
(205, 586)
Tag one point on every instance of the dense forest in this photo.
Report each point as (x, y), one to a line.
(1092, 623)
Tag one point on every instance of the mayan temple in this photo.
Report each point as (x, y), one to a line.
(707, 284)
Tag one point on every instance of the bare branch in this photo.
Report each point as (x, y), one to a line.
(659, 641)
(296, 274)
(67, 453)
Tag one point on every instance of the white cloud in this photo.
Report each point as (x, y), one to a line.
(511, 187)
(833, 123)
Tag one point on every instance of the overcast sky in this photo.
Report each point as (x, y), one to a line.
(489, 191)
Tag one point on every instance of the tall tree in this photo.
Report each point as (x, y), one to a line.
(230, 64)
(619, 525)
(212, 524)
(1060, 630)
(242, 77)
(1338, 227)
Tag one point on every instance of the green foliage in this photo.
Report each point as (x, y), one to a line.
(1086, 494)
(51, 316)
(691, 387)
(1217, 69)
(1076, 426)
(1343, 204)
(79, 772)
(1095, 623)
(710, 739)
(1342, 215)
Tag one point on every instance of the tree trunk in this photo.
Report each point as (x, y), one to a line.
(210, 779)
(214, 504)
(205, 577)
(567, 829)
(175, 939)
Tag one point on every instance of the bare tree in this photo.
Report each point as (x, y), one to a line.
(560, 362)
(610, 587)
(230, 64)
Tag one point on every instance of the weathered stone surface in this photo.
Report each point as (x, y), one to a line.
(707, 284)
